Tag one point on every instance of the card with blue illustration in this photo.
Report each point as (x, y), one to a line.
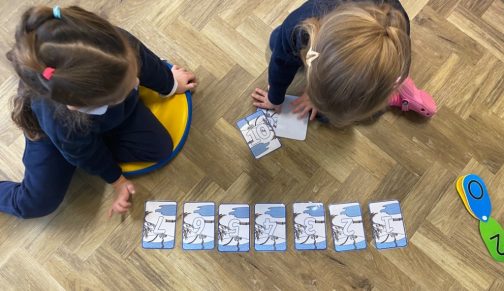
(159, 225)
(347, 227)
(233, 231)
(258, 134)
(271, 116)
(270, 231)
(286, 123)
(388, 225)
(198, 226)
(309, 226)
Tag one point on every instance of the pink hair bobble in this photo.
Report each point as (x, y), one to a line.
(48, 73)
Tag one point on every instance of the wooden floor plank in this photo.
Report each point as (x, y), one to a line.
(457, 56)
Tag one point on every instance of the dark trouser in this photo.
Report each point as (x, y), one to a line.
(47, 174)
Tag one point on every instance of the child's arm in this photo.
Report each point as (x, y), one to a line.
(124, 189)
(88, 152)
(281, 72)
(287, 42)
(154, 74)
(92, 155)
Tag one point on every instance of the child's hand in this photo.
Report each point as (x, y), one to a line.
(123, 188)
(303, 106)
(261, 100)
(185, 79)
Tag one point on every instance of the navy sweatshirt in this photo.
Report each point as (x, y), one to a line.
(287, 42)
(89, 151)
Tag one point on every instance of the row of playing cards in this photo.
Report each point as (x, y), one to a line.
(270, 230)
(262, 128)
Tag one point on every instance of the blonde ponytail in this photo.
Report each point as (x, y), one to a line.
(364, 54)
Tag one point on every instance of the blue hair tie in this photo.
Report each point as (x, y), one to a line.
(56, 12)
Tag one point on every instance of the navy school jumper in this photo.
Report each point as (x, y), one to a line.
(126, 132)
(287, 41)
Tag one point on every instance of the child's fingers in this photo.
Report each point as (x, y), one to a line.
(261, 91)
(296, 102)
(131, 188)
(260, 105)
(313, 114)
(304, 112)
(119, 209)
(110, 212)
(192, 85)
(299, 108)
(193, 79)
(258, 97)
(124, 204)
(190, 76)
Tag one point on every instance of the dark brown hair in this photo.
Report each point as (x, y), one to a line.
(90, 57)
(364, 55)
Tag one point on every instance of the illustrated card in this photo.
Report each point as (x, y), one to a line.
(198, 226)
(271, 116)
(286, 123)
(309, 226)
(258, 134)
(159, 225)
(233, 232)
(270, 231)
(347, 227)
(387, 223)
(289, 125)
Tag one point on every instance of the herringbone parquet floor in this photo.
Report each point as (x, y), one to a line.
(458, 55)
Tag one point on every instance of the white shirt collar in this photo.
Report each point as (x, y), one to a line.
(100, 110)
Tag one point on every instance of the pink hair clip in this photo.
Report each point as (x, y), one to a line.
(48, 73)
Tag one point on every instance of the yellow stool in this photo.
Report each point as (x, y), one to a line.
(175, 114)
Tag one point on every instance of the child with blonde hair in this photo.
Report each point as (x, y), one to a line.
(356, 54)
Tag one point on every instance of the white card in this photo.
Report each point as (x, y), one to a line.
(388, 225)
(233, 232)
(271, 116)
(289, 125)
(258, 134)
(347, 227)
(198, 226)
(270, 232)
(159, 225)
(309, 226)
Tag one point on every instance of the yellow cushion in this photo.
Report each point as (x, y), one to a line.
(174, 113)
